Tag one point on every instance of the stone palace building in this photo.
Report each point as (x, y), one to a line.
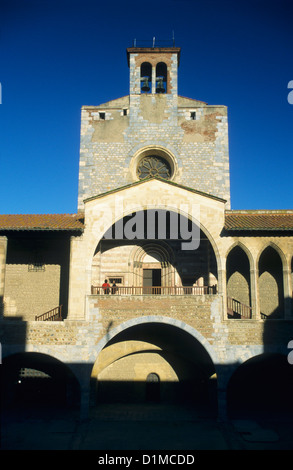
(201, 309)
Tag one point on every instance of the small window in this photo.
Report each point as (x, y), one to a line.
(125, 112)
(36, 267)
(117, 280)
(193, 115)
(102, 116)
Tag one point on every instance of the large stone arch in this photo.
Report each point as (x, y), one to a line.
(159, 319)
(129, 353)
(32, 378)
(261, 386)
(166, 208)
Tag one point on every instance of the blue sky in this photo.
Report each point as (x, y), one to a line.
(56, 56)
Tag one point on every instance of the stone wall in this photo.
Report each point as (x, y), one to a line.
(106, 315)
(192, 133)
(193, 310)
(199, 147)
(36, 275)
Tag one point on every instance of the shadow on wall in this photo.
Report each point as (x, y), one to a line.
(32, 379)
(263, 385)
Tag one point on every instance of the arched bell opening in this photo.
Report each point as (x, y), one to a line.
(161, 78)
(146, 77)
(153, 250)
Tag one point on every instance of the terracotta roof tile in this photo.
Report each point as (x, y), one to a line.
(259, 220)
(234, 220)
(41, 222)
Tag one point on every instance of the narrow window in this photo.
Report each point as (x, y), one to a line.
(193, 115)
(102, 116)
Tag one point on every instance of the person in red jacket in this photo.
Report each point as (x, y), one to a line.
(106, 287)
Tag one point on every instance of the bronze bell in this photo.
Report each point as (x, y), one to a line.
(160, 86)
(145, 84)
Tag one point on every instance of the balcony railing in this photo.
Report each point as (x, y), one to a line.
(236, 309)
(52, 315)
(155, 290)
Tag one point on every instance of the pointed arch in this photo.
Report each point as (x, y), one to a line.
(271, 285)
(276, 248)
(244, 248)
(238, 266)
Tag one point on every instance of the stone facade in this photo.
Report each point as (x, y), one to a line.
(187, 326)
(192, 134)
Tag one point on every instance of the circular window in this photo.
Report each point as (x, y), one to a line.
(153, 166)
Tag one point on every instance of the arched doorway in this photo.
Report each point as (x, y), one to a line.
(261, 387)
(153, 388)
(38, 382)
(156, 362)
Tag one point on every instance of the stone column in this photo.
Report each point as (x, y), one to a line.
(3, 253)
(153, 80)
(77, 280)
(222, 290)
(254, 292)
(288, 303)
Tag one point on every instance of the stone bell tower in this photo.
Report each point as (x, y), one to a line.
(153, 70)
(153, 128)
(154, 81)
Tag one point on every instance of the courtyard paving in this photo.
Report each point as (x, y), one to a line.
(140, 428)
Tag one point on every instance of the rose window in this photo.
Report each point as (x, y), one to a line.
(153, 166)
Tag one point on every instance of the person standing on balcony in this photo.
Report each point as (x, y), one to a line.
(114, 288)
(106, 287)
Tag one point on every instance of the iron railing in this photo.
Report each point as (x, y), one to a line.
(52, 315)
(155, 290)
(154, 42)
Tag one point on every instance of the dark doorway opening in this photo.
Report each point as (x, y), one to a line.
(152, 278)
(153, 388)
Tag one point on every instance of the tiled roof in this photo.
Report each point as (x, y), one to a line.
(234, 221)
(41, 222)
(259, 220)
